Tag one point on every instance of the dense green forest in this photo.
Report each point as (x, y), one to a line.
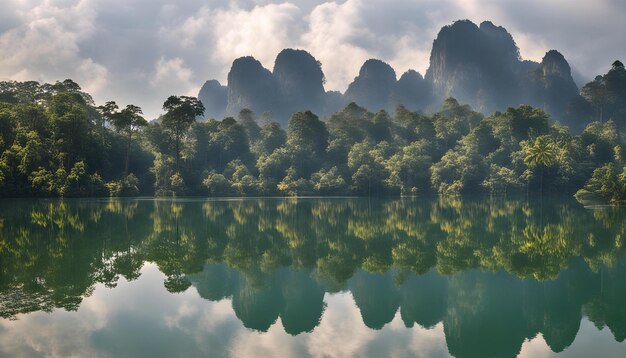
(55, 141)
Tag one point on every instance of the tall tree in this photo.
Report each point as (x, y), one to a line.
(70, 126)
(307, 139)
(247, 121)
(107, 111)
(128, 121)
(181, 112)
(307, 131)
(597, 94)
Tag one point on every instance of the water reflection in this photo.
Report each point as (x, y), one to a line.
(494, 273)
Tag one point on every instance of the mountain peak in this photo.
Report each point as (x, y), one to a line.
(554, 63)
(377, 68)
(373, 86)
(251, 86)
(214, 97)
(479, 65)
(300, 81)
(476, 65)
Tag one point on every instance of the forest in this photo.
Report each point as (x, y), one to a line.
(55, 141)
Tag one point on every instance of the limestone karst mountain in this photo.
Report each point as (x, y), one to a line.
(480, 65)
(373, 86)
(412, 91)
(251, 86)
(214, 96)
(296, 84)
(300, 82)
(551, 84)
(476, 65)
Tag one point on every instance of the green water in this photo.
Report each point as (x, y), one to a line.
(311, 277)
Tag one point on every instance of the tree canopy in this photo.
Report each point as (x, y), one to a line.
(54, 141)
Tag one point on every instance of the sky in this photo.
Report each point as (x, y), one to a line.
(142, 51)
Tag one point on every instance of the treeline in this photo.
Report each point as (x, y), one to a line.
(55, 142)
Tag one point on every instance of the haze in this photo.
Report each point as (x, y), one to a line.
(141, 51)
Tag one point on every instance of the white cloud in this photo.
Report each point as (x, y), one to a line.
(530, 48)
(408, 55)
(93, 75)
(261, 32)
(331, 28)
(45, 45)
(173, 74)
(117, 48)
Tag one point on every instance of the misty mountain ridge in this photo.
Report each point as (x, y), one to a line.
(479, 65)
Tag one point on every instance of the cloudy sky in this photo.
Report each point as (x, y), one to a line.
(141, 51)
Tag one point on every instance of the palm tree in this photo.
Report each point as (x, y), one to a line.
(541, 153)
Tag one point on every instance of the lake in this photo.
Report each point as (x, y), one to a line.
(318, 277)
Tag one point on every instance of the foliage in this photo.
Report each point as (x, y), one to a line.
(217, 184)
(128, 186)
(606, 184)
(328, 182)
(606, 94)
(55, 142)
(181, 112)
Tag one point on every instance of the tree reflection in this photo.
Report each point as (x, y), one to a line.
(495, 272)
(53, 253)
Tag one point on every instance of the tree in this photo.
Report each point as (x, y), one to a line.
(540, 153)
(239, 175)
(328, 181)
(367, 172)
(128, 186)
(292, 185)
(454, 121)
(605, 184)
(597, 94)
(307, 139)
(615, 81)
(229, 142)
(527, 121)
(247, 121)
(128, 121)
(600, 139)
(181, 111)
(107, 112)
(70, 126)
(273, 167)
(459, 171)
(306, 131)
(409, 169)
(500, 179)
(272, 138)
(606, 94)
(217, 184)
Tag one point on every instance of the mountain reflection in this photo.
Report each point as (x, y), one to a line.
(494, 272)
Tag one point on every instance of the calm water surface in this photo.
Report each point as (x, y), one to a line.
(311, 277)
